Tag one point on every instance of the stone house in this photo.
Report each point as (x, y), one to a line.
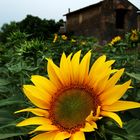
(103, 20)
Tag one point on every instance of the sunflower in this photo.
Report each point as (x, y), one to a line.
(134, 37)
(74, 97)
(55, 38)
(115, 40)
(64, 37)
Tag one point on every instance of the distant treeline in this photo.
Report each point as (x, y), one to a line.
(33, 26)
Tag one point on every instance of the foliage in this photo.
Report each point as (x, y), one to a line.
(6, 29)
(38, 28)
(31, 25)
(23, 53)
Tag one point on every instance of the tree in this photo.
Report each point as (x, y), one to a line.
(7, 29)
(38, 28)
(34, 26)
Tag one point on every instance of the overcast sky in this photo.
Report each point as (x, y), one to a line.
(16, 10)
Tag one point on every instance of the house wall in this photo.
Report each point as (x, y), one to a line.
(108, 18)
(84, 22)
(138, 20)
(100, 20)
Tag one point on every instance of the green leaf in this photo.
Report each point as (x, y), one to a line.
(4, 82)
(8, 135)
(10, 101)
(135, 112)
(11, 123)
(4, 89)
(117, 138)
(133, 127)
(112, 129)
(30, 68)
(134, 75)
(117, 131)
(5, 117)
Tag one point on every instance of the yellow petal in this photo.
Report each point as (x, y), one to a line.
(109, 63)
(112, 95)
(100, 80)
(113, 116)
(99, 86)
(43, 83)
(96, 69)
(36, 111)
(54, 73)
(78, 136)
(98, 111)
(121, 105)
(84, 67)
(36, 97)
(45, 127)
(113, 71)
(34, 121)
(69, 57)
(94, 125)
(114, 79)
(70, 68)
(104, 70)
(91, 119)
(100, 60)
(64, 69)
(97, 64)
(89, 127)
(131, 87)
(45, 136)
(37, 92)
(75, 66)
(62, 136)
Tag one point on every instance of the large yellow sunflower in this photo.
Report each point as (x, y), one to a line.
(74, 97)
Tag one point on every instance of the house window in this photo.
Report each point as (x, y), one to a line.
(120, 18)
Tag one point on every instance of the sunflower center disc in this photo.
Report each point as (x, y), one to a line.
(71, 108)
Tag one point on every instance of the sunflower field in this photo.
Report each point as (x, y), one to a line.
(69, 87)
